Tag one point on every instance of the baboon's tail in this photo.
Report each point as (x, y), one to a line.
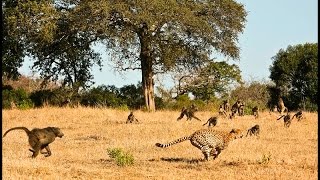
(173, 142)
(206, 122)
(280, 117)
(15, 128)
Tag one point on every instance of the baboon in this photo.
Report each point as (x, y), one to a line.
(189, 112)
(131, 118)
(298, 115)
(226, 105)
(233, 112)
(255, 111)
(286, 120)
(222, 111)
(40, 139)
(238, 106)
(241, 109)
(212, 121)
(281, 107)
(255, 130)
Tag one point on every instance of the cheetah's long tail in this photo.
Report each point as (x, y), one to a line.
(173, 142)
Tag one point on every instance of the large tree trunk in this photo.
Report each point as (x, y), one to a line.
(147, 84)
(147, 74)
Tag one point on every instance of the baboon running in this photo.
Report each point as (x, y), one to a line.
(189, 112)
(298, 115)
(131, 118)
(255, 111)
(255, 130)
(286, 120)
(211, 121)
(40, 139)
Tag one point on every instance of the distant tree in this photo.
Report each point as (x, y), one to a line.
(295, 73)
(157, 36)
(208, 81)
(102, 96)
(49, 33)
(132, 95)
(255, 93)
(21, 21)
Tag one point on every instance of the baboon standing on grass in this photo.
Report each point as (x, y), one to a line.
(40, 139)
(222, 111)
(226, 105)
(281, 107)
(238, 107)
(241, 109)
(255, 111)
(189, 112)
(131, 118)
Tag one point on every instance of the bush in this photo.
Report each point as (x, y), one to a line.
(122, 158)
(19, 97)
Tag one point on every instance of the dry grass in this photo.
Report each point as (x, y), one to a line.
(279, 153)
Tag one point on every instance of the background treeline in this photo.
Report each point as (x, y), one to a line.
(26, 93)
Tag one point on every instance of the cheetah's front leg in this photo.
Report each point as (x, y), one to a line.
(206, 152)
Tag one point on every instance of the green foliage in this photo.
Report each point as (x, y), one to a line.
(102, 96)
(122, 158)
(253, 94)
(19, 97)
(132, 95)
(295, 73)
(154, 36)
(212, 79)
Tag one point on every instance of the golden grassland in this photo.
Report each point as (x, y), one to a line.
(279, 153)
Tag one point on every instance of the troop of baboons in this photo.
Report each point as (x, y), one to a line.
(209, 141)
(40, 139)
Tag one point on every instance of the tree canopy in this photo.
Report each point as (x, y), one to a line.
(154, 36)
(158, 35)
(295, 73)
(212, 79)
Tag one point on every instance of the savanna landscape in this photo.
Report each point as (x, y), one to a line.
(65, 65)
(278, 153)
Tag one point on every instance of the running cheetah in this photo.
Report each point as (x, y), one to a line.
(209, 141)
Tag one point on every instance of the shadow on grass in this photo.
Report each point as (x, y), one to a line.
(190, 161)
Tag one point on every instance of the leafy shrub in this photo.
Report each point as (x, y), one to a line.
(122, 158)
(19, 97)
